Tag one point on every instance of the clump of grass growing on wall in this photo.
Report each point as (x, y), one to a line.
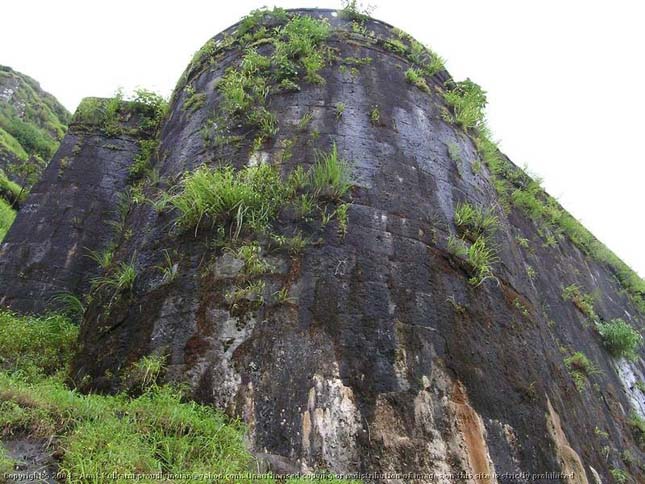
(415, 77)
(620, 339)
(473, 221)
(468, 101)
(580, 368)
(583, 301)
(330, 176)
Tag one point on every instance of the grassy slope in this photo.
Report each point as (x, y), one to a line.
(32, 122)
(6, 218)
(154, 430)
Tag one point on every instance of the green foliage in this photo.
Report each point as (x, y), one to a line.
(473, 221)
(375, 115)
(249, 200)
(141, 164)
(354, 10)
(251, 254)
(194, 100)
(619, 475)
(330, 176)
(620, 339)
(245, 89)
(69, 305)
(32, 123)
(580, 368)
(7, 216)
(583, 301)
(118, 279)
(637, 424)
(340, 109)
(33, 344)
(479, 256)
(251, 196)
(11, 191)
(415, 77)
(468, 101)
(103, 257)
(168, 269)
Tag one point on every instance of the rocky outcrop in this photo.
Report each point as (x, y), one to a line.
(379, 346)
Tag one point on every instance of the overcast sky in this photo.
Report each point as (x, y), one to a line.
(565, 79)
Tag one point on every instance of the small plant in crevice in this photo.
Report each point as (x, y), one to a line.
(168, 269)
(282, 296)
(415, 77)
(340, 109)
(473, 221)
(375, 115)
(479, 257)
(619, 475)
(468, 101)
(103, 257)
(251, 255)
(330, 176)
(118, 280)
(620, 338)
(580, 368)
(583, 301)
(637, 425)
(251, 294)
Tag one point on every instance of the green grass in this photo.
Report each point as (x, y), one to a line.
(583, 301)
(35, 344)
(10, 190)
(620, 339)
(7, 216)
(619, 475)
(157, 430)
(479, 256)
(415, 77)
(473, 221)
(637, 424)
(468, 101)
(580, 368)
(117, 280)
(249, 197)
(330, 176)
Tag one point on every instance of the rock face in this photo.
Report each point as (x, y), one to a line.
(70, 214)
(378, 347)
(32, 123)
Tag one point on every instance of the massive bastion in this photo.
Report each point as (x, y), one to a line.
(323, 241)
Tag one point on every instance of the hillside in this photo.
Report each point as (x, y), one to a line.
(318, 236)
(32, 123)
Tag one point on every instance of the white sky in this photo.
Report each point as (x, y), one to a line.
(564, 79)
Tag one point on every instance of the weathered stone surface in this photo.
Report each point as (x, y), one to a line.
(384, 358)
(66, 216)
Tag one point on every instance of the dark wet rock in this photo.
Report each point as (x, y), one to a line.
(67, 216)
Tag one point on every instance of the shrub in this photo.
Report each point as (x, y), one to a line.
(620, 338)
